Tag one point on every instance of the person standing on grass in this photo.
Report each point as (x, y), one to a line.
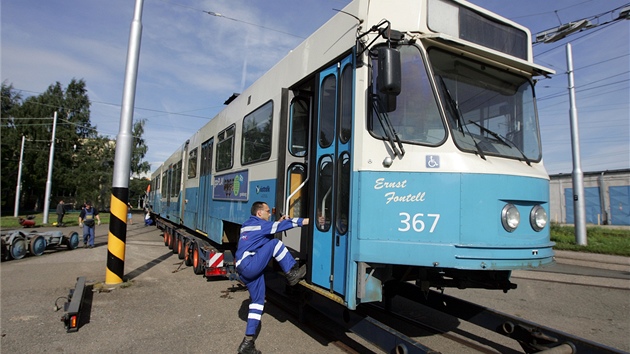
(61, 211)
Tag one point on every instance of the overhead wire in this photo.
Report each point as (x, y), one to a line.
(217, 14)
(119, 106)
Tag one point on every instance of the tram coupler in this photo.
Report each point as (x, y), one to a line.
(565, 348)
(73, 307)
(531, 339)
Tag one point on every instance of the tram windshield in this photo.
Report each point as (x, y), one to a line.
(489, 111)
(413, 114)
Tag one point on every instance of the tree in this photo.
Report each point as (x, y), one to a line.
(33, 118)
(83, 161)
(140, 148)
(10, 144)
(137, 189)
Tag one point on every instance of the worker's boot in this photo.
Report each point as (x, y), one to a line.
(296, 274)
(247, 347)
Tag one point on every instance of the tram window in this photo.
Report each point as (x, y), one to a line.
(256, 141)
(177, 179)
(495, 107)
(192, 163)
(297, 203)
(342, 209)
(416, 118)
(327, 108)
(225, 149)
(346, 104)
(324, 192)
(298, 139)
(164, 183)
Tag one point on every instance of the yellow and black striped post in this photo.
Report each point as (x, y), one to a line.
(117, 236)
(122, 159)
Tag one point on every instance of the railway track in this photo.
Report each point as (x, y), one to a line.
(415, 322)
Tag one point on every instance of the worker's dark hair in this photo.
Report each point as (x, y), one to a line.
(257, 206)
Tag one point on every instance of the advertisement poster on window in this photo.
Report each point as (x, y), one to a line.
(231, 186)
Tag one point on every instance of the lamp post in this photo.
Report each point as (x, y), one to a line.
(577, 175)
(553, 35)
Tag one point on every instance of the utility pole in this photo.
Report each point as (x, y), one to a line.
(50, 168)
(579, 208)
(550, 36)
(124, 145)
(18, 188)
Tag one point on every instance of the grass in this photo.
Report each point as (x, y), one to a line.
(70, 219)
(601, 240)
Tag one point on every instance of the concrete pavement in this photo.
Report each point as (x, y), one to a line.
(165, 307)
(162, 308)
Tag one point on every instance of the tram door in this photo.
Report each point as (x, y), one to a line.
(332, 176)
(205, 185)
(169, 189)
(296, 197)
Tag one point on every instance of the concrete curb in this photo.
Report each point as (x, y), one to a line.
(602, 261)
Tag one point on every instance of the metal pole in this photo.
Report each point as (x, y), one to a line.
(50, 169)
(122, 161)
(578, 185)
(18, 188)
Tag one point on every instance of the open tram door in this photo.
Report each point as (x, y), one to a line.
(317, 166)
(297, 112)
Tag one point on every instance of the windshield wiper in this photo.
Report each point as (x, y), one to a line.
(389, 130)
(502, 140)
(454, 110)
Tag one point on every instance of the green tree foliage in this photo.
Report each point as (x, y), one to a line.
(83, 160)
(140, 149)
(10, 144)
(137, 189)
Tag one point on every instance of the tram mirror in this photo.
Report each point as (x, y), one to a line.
(388, 102)
(389, 78)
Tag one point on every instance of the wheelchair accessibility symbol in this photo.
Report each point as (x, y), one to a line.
(433, 161)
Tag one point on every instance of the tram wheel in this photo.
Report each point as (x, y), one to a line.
(187, 253)
(175, 243)
(197, 261)
(181, 247)
(18, 248)
(72, 241)
(37, 245)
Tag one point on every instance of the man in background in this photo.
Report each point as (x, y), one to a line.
(61, 211)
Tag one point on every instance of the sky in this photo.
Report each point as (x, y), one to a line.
(191, 61)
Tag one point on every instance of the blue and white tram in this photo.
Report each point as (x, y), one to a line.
(408, 134)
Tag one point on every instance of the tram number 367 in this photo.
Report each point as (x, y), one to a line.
(417, 222)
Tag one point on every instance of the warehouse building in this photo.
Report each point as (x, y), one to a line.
(606, 193)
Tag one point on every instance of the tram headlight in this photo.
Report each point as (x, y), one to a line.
(510, 217)
(538, 218)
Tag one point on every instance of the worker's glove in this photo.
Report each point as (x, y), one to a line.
(99, 222)
(80, 224)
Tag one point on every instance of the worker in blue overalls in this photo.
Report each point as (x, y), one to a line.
(256, 247)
